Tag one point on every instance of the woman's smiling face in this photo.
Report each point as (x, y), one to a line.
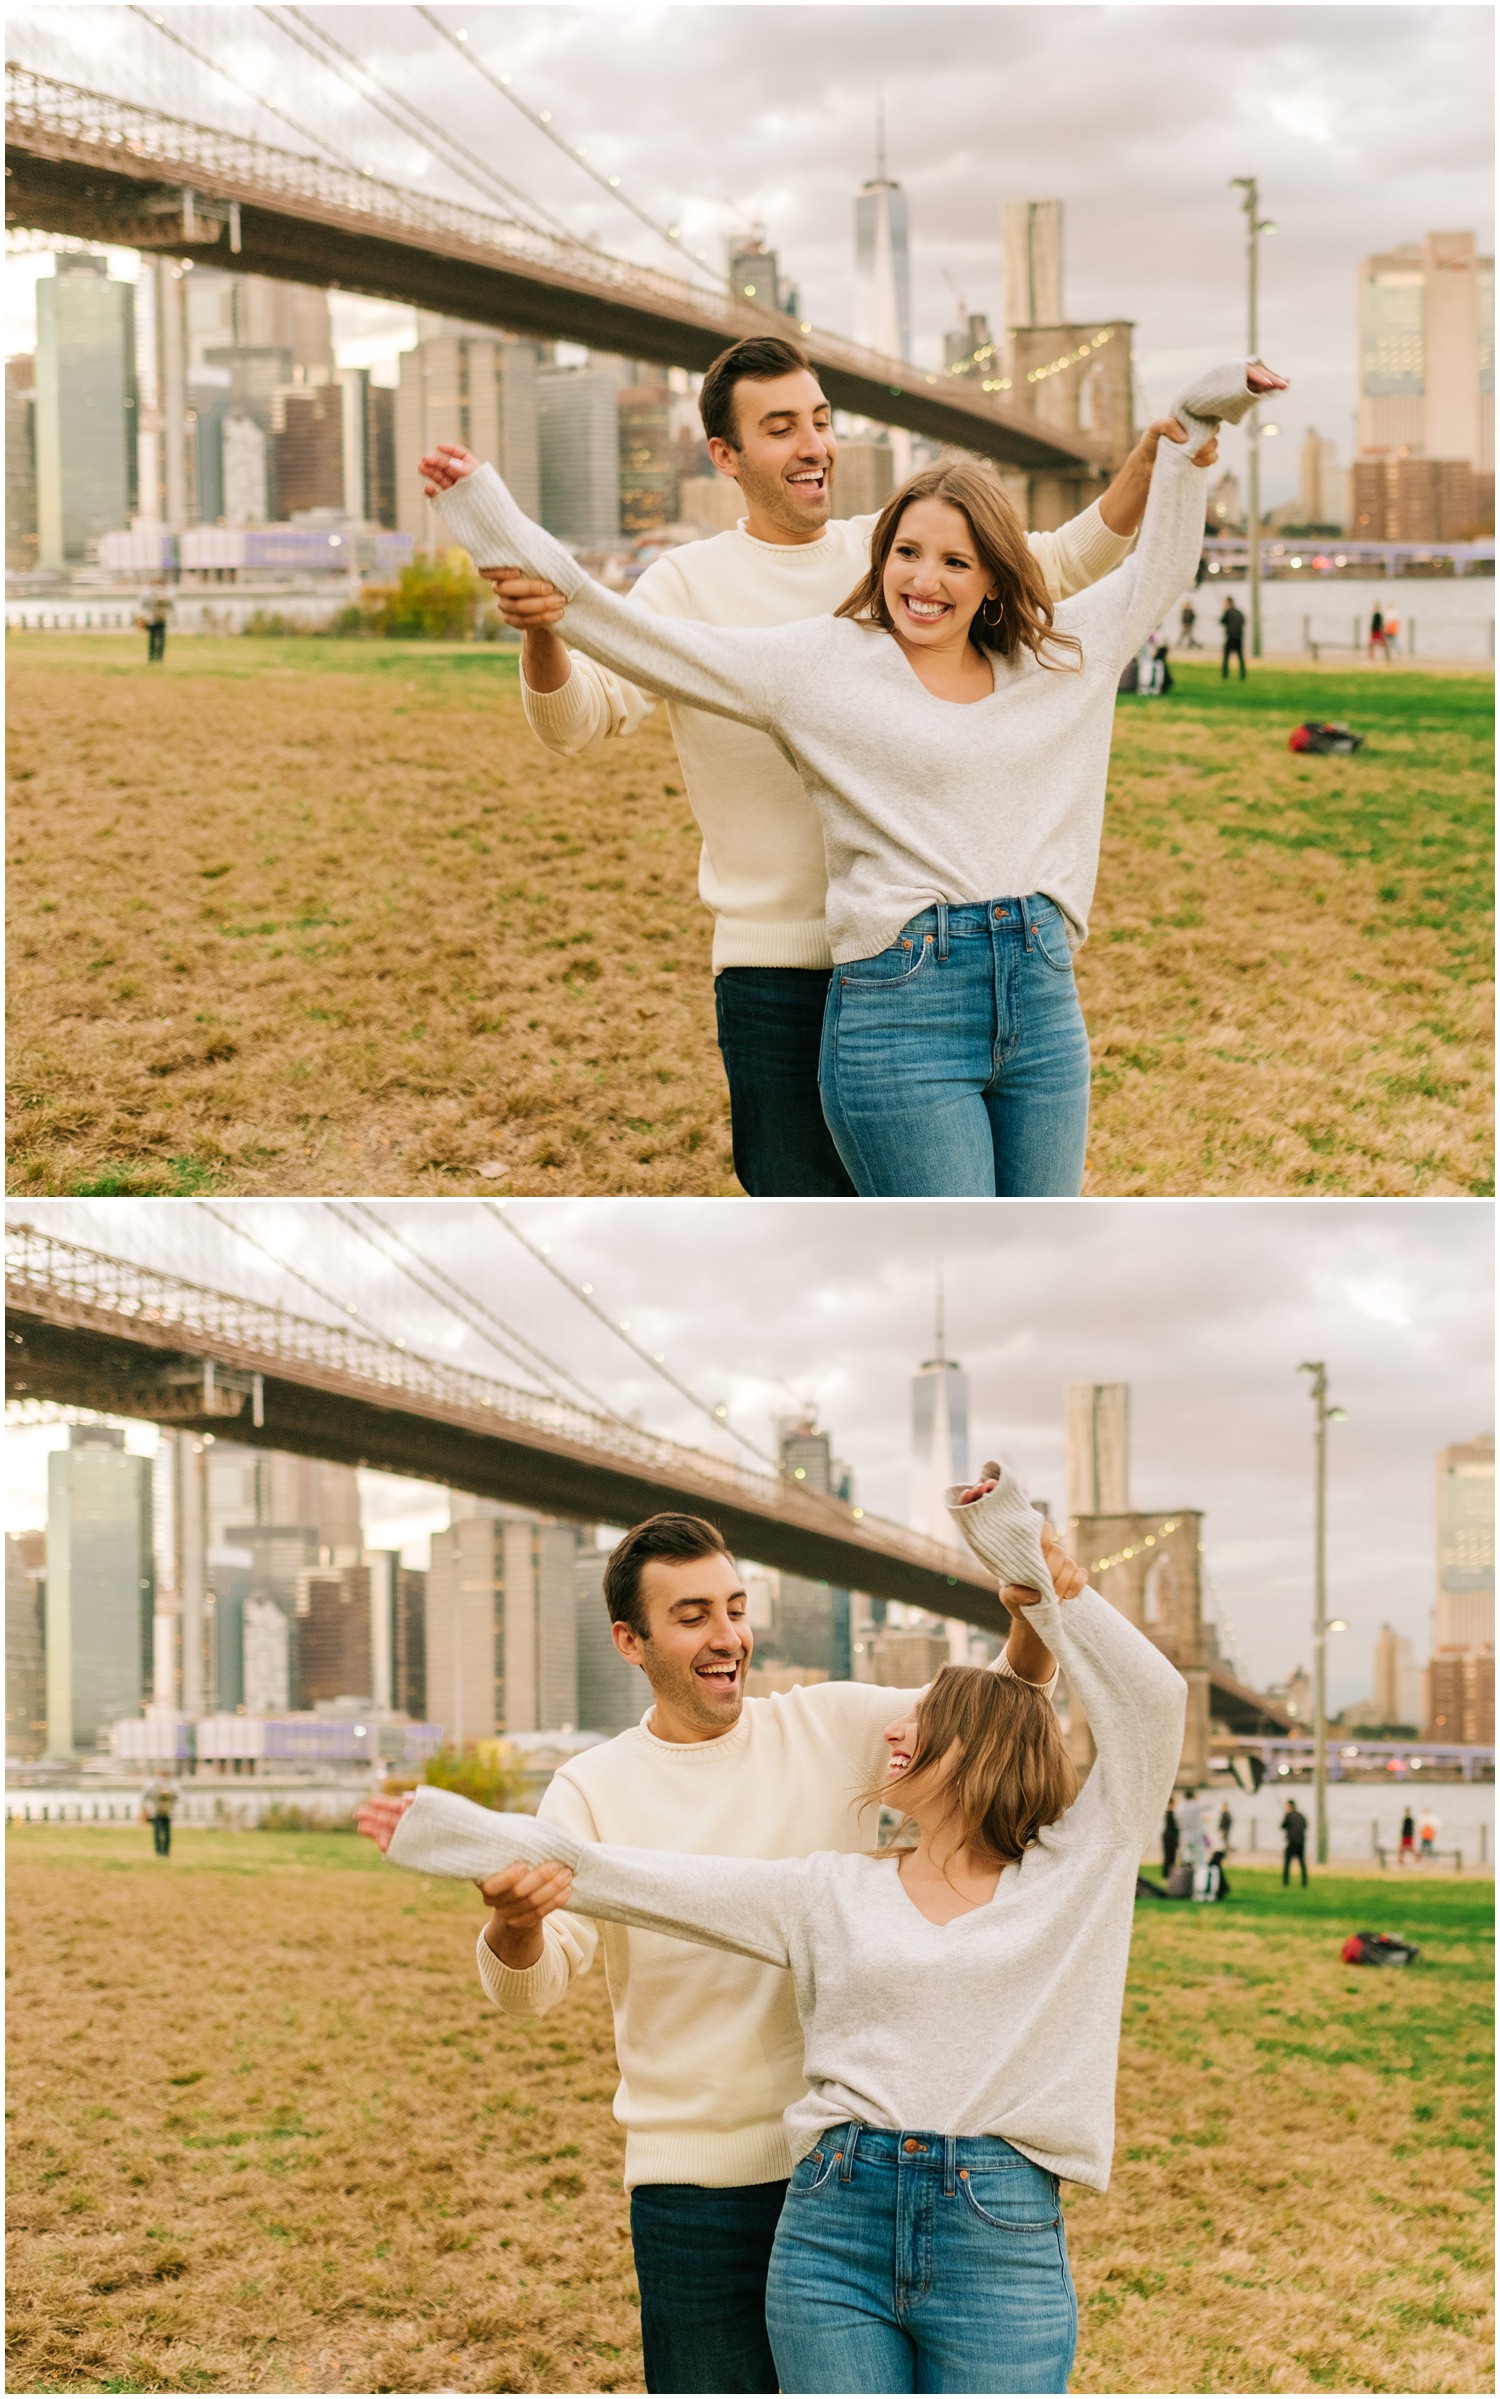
(934, 579)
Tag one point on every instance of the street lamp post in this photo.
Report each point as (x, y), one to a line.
(1255, 226)
(1324, 1416)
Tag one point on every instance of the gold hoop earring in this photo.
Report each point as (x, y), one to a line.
(993, 622)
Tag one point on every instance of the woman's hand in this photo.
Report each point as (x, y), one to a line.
(519, 1899)
(1262, 378)
(526, 605)
(378, 1817)
(446, 465)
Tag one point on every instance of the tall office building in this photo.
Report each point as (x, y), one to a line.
(1397, 1681)
(100, 1587)
(1464, 1615)
(307, 447)
(86, 460)
(266, 1656)
(25, 1645)
(464, 384)
(1031, 261)
(648, 458)
(939, 1434)
(1097, 1430)
(368, 447)
(333, 1635)
(882, 261)
(502, 1640)
(811, 1620)
(20, 464)
(578, 441)
(264, 1519)
(1427, 351)
(969, 349)
(1320, 497)
(754, 273)
(612, 1694)
(409, 1656)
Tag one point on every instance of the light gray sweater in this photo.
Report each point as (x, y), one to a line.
(921, 799)
(1005, 2021)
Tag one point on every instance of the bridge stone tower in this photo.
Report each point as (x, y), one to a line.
(1147, 1567)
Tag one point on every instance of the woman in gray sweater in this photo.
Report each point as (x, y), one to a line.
(960, 2002)
(952, 729)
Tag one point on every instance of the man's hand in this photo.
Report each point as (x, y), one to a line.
(524, 604)
(446, 465)
(378, 1817)
(1067, 1578)
(1124, 504)
(520, 1898)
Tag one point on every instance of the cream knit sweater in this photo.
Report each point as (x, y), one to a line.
(921, 799)
(761, 870)
(1005, 2021)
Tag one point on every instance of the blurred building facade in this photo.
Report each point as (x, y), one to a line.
(1031, 261)
(1427, 351)
(882, 261)
(811, 1621)
(578, 447)
(1461, 1678)
(25, 1645)
(100, 1587)
(20, 464)
(469, 384)
(85, 408)
(1097, 1434)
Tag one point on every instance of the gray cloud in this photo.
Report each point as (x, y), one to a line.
(1366, 125)
(1205, 1308)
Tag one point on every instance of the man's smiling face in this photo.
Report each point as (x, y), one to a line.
(697, 1652)
(784, 462)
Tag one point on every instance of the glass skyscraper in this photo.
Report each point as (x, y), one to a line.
(101, 1587)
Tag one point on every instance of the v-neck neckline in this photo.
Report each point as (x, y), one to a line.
(937, 695)
(964, 1914)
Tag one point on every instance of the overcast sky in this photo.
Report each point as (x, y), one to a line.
(1367, 126)
(1206, 1309)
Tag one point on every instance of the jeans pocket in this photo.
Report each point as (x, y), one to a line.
(812, 2172)
(1014, 2202)
(1049, 935)
(900, 964)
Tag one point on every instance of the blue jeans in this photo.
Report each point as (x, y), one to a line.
(770, 1028)
(955, 1064)
(907, 2262)
(701, 2258)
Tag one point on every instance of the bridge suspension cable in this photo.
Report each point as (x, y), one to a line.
(533, 214)
(504, 1338)
(573, 151)
(319, 140)
(345, 1307)
(583, 1293)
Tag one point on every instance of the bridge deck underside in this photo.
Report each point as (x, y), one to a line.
(327, 1416)
(93, 200)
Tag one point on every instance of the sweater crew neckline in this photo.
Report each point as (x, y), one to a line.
(817, 549)
(732, 1740)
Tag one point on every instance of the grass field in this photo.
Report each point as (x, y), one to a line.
(266, 2136)
(316, 916)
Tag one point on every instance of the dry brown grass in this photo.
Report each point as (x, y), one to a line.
(317, 917)
(267, 2136)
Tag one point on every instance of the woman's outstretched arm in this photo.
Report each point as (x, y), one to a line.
(1114, 618)
(1134, 1698)
(743, 1904)
(740, 672)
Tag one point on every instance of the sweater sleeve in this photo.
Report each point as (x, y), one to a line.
(1136, 1703)
(568, 1941)
(1079, 552)
(1115, 616)
(742, 672)
(742, 1904)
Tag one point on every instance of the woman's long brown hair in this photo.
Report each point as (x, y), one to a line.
(1024, 610)
(1012, 1776)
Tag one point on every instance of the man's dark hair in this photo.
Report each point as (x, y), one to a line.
(676, 1539)
(759, 360)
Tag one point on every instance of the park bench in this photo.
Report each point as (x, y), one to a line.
(1390, 1859)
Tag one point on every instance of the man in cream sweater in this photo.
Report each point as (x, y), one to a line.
(709, 2044)
(761, 870)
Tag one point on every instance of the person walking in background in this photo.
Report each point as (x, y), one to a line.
(1427, 1832)
(1392, 637)
(158, 1801)
(152, 619)
(1408, 1847)
(1187, 624)
(1226, 1824)
(1170, 1839)
(1376, 648)
(1293, 1842)
(1232, 629)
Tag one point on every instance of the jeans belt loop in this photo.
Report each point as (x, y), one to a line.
(846, 2170)
(942, 928)
(950, 2165)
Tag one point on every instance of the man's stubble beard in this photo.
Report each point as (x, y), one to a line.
(683, 1692)
(767, 494)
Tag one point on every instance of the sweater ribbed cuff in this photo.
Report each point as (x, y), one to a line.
(480, 513)
(740, 941)
(516, 1991)
(561, 720)
(1099, 551)
(1221, 397)
(1004, 1530)
(717, 2161)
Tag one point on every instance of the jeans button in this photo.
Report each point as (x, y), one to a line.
(911, 2147)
